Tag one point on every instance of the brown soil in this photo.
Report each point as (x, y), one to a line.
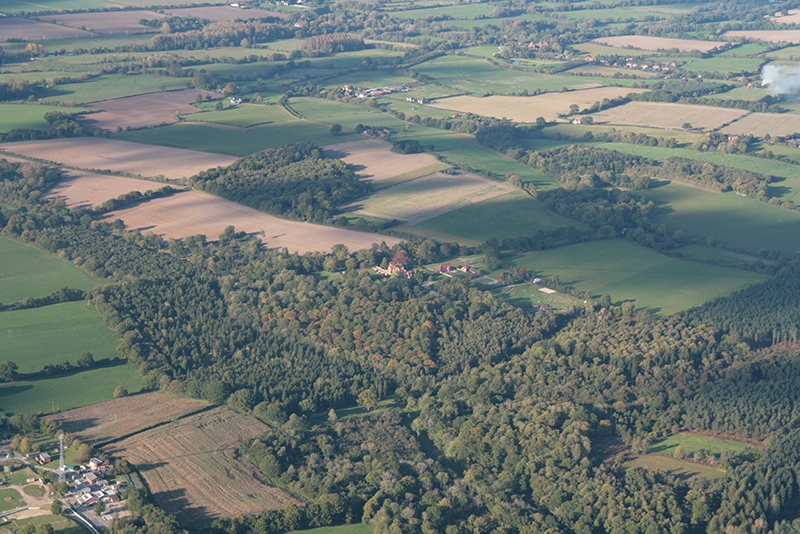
(142, 111)
(125, 416)
(79, 188)
(193, 472)
(374, 160)
(217, 13)
(111, 23)
(120, 156)
(19, 28)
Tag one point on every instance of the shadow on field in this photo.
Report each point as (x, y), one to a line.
(7, 391)
(143, 467)
(79, 425)
(189, 516)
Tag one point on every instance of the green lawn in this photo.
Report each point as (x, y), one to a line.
(61, 524)
(505, 216)
(10, 499)
(67, 392)
(344, 529)
(695, 442)
(740, 222)
(627, 271)
(37, 336)
(111, 86)
(26, 271)
(244, 115)
(28, 116)
(34, 491)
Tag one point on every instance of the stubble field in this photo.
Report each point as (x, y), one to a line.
(529, 108)
(78, 188)
(125, 416)
(760, 124)
(373, 160)
(195, 212)
(114, 22)
(667, 115)
(192, 470)
(120, 156)
(646, 42)
(25, 29)
(142, 111)
(770, 36)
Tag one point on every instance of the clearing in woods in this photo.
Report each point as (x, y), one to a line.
(78, 188)
(646, 42)
(110, 22)
(373, 160)
(695, 442)
(668, 115)
(529, 108)
(760, 124)
(142, 111)
(427, 197)
(120, 156)
(679, 468)
(125, 416)
(195, 212)
(192, 469)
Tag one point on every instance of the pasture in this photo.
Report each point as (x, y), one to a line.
(724, 65)
(668, 115)
(112, 22)
(142, 111)
(505, 216)
(733, 220)
(218, 13)
(69, 391)
(770, 36)
(529, 108)
(35, 337)
(244, 115)
(192, 469)
(680, 468)
(26, 29)
(715, 255)
(119, 156)
(695, 442)
(28, 116)
(373, 160)
(750, 94)
(428, 197)
(16, 6)
(348, 115)
(61, 524)
(647, 42)
(79, 188)
(530, 294)
(112, 86)
(627, 271)
(195, 212)
(26, 271)
(118, 418)
(761, 124)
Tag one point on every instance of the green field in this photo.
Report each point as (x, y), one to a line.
(505, 216)
(344, 529)
(750, 94)
(37, 336)
(61, 524)
(724, 65)
(529, 294)
(10, 499)
(695, 442)
(34, 491)
(747, 49)
(679, 468)
(26, 271)
(67, 392)
(111, 86)
(466, 11)
(348, 115)
(244, 115)
(740, 222)
(715, 255)
(627, 271)
(28, 116)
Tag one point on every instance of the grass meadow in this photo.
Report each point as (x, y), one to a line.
(715, 255)
(243, 116)
(28, 116)
(724, 65)
(505, 216)
(28, 272)
(740, 222)
(110, 86)
(67, 392)
(627, 271)
(695, 442)
(35, 337)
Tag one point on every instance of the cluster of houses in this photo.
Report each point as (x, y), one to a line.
(415, 100)
(348, 90)
(633, 64)
(468, 270)
(395, 269)
(91, 485)
(235, 101)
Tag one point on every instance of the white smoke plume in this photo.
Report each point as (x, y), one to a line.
(781, 79)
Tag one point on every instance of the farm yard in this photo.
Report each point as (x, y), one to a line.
(761, 124)
(373, 160)
(192, 470)
(668, 115)
(142, 111)
(119, 418)
(529, 108)
(195, 212)
(427, 197)
(647, 42)
(87, 189)
(119, 156)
